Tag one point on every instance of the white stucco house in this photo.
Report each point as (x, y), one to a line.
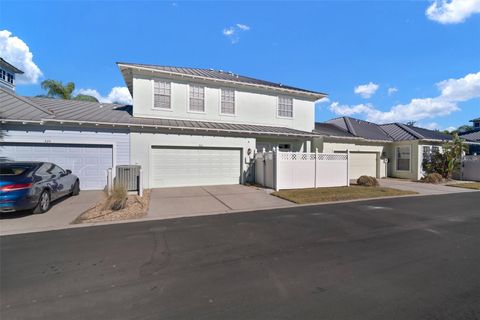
(190, 127)
(186, 127)
(386, 150)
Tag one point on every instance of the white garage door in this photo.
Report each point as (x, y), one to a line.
(88, 162)
(175, 167)
(363, 163)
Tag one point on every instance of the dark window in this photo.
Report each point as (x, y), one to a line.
(14, 170)
(403, 158)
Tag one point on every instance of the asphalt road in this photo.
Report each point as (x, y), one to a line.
(406, 258)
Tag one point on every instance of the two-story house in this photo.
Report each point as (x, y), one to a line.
(186, 127)
(7, 74)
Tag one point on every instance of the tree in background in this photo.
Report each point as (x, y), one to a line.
(445, 163)
(56, 89)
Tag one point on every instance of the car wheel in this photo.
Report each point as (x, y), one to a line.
(75, 189)
(43, 202)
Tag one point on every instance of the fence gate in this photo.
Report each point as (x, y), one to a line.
(296, 170)
(470, 169)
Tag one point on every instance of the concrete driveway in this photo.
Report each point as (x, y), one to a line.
(421, 188)
(194, 201)
(60, 215)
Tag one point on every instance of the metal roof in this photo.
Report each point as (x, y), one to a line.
(12, 67)
(329, 129)
(47, 110)
(387, 132)
(217, 75)
(361, 128)
(471, 136)
(13, 106)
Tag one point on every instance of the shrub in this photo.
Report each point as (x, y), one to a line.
(433, 178)
(117, 198)
(367, 181)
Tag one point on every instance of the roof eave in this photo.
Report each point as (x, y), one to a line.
(148, 126)
(311, 95)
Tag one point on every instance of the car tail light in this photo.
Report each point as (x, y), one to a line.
(16, 186)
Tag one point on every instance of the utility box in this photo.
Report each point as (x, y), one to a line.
(129, 177)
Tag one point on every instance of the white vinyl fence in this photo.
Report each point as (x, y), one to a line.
(470, 168)
(296, 170)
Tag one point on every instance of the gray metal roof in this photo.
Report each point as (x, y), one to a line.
(72, 111)
(214, 75)
(10, 66)
(361, 128)
(471, 136)
(387, 132)
(13, 106)
(329, 129)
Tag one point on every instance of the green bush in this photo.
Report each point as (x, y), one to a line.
(367, 181)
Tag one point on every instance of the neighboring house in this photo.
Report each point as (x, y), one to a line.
(186, 127)
(393, 150)
(474, 136)
(7, 75)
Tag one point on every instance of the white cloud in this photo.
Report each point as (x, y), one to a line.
(16, 52)
(454, 11)
(117, 94)
(243, 27)
(324, 100)
(392, 90)
(452, 91)
(233, 32)
(450, 128)
(366, 90)
(229, 31)
(346, 110)
(430, 126)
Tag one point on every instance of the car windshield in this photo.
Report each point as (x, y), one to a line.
(14, 169)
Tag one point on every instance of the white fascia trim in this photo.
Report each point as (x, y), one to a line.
(318, 96)
(160, 127)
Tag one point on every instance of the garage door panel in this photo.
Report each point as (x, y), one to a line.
(194, 166)
(88, 162)
(363, 164)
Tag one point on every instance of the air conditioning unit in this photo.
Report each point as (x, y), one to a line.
(128, 176)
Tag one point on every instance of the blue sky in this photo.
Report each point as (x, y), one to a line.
(328, 46)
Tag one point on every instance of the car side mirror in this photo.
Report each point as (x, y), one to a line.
(68, 171)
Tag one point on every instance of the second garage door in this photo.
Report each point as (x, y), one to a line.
(363, 163)
(175, 167)
(88, 162)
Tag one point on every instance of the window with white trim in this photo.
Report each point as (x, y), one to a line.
(162, 95)
(427, 153)
(227, 102)
(285, 107)
(403, 158)
(197, 99)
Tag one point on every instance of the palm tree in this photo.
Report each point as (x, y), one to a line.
(56, 89)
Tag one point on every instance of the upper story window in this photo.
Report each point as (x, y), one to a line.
(162, 95)
(10, 78)
(228, 101)
(3, 74)
(197, 99)
(285, 107)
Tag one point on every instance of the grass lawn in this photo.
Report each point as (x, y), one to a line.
(468, 185)
(313, 195)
